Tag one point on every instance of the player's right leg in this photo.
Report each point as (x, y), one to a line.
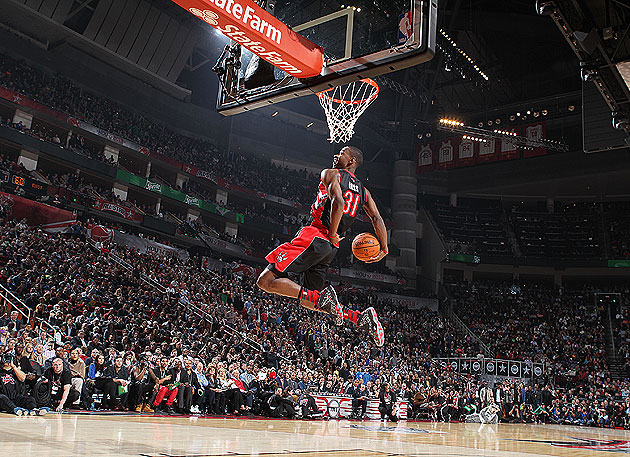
(271, 281)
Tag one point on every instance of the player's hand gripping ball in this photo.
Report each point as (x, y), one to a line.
(365, 247)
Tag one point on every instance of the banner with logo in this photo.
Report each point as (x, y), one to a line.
(619, 263)
(49, 218)
(144, 246)
(493, 367)
(122, 211)
(21, 100)
(261, 33)
(166, 191)
(100, 233)
(337, 406)
(368, 275)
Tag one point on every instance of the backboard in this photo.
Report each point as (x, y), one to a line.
(359, 39)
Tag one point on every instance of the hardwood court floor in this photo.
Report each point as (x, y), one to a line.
(151, 436)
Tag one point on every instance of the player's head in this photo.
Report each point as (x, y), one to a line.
(349, 157)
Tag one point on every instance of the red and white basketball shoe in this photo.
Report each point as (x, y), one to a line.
(329, 303)
(370, 323)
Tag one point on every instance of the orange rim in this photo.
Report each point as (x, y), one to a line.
(369, 81)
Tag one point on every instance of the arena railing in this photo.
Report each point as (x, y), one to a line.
(16, 304)
(449, 312)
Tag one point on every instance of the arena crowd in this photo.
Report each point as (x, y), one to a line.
(122, 344)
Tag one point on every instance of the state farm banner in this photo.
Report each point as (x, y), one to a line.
(487, 151)
(535, 132)
(509, 149)
(258, 31)
(49, 218)
(446, 154)
(368, 275)
(425, 158)
(144, 246)
(410, 302)
(127, 213)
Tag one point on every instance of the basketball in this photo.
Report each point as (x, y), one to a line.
(365, 246)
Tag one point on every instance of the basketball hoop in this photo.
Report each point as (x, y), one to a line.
(344, 104)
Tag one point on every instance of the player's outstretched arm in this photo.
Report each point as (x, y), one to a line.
(330, 178)
(371, 210)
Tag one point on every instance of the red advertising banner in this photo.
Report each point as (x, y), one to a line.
(127, 213)
(465, 153)
(508, 149)
(257, 30)
(487, 151)
(535, 132)
(425, 159)
(20, 99)
(446, 154)
(50, 219)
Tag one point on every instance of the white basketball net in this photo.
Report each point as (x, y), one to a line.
(344, 104)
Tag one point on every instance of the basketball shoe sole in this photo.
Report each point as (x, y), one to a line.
(370, 323)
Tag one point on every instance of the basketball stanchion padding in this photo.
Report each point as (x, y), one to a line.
(365, 246)
(344, 104)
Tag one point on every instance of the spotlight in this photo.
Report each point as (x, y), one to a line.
(512, 117)
(546, 8)
(529, 112)
(480, 124)
(497, 121)
(571, 108)
(428, 135)
(518, 114)
(536, 114)
(420, 135)
(545, 112)
(451, 122)
(490, 122)
(620, 121)
(588, 71)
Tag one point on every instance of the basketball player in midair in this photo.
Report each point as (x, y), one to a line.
(340, 195)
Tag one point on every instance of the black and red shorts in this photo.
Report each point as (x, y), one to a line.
(309, 254)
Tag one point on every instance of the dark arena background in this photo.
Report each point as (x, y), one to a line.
(149, 162)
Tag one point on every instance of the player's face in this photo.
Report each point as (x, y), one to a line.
(341, 159)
